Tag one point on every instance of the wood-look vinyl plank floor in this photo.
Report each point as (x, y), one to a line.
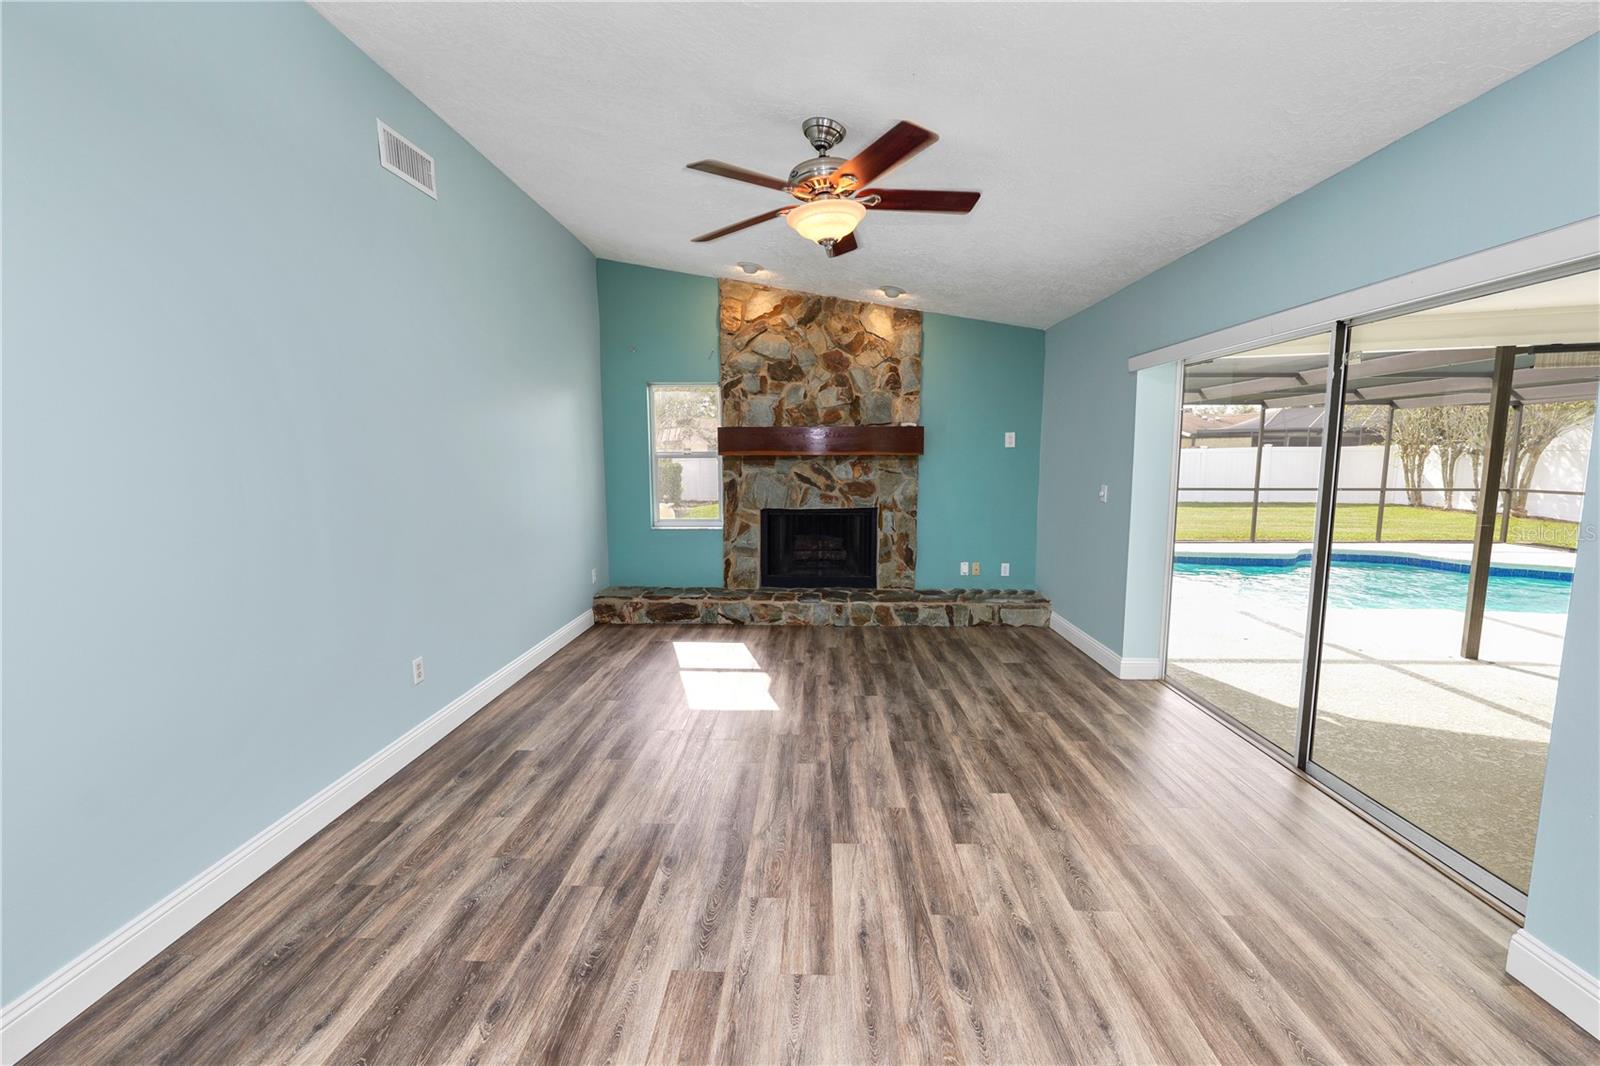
(836, 846)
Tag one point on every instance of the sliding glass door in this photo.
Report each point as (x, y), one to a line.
(1445, 616)
(1248, 458)
(1379, 590)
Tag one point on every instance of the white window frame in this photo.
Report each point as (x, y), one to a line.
(656, 521)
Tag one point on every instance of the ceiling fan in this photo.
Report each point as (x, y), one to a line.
(835, 193)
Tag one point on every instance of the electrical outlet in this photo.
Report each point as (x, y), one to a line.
(1103, 490)
(594, 575)
(1005, 569)
(1011, 440)
(977, 569)
(416, 671)
(965, 568)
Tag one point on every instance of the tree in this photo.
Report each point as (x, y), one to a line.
(1454, 431)
(1542, 423)
(1462, 431)
(1414, 438)
(686, 419)
(1477, 420)
(669, 481)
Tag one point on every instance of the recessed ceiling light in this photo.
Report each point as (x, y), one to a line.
(749, 268)
(893, 292)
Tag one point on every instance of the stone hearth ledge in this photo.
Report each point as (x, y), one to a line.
(636, 605)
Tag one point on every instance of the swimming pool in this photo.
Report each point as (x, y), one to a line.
(1370, 584)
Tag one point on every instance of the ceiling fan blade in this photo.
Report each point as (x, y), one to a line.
(844, 244)
(737, 226)
(958, 203)
(902, 142)
(728, 170)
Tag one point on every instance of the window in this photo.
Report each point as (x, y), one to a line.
(685, 470)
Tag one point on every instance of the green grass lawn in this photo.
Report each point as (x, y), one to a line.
(1357, 522)
(702, 510)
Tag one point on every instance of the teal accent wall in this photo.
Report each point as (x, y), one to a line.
(656, 326)
(978, 499)
(274, 423)
(1564, 897)
(1520, 159)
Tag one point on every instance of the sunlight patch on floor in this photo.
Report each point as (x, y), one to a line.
(722, 676)
(713, 655)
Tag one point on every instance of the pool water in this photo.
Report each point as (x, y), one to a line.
(1375, 586)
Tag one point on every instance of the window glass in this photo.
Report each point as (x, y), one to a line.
(1433, 703)
(1247, 499)
(685, 470)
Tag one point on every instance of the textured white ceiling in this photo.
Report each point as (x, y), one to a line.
(1107, 139)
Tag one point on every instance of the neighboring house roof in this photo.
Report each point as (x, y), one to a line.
(1212, 424)
(689, 438)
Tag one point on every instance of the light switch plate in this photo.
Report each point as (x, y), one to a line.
(1005, 569)
(1011, 440)
(965, 569)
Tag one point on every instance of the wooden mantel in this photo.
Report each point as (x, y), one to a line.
(819, 440)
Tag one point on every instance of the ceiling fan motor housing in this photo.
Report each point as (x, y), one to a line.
(814, 177)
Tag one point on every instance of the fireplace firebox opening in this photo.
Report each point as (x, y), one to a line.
(819, 547)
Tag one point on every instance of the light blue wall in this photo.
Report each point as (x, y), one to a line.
(978, 499)
(274, 423)
(1564, 898)
(656, 326)
(1521, 159)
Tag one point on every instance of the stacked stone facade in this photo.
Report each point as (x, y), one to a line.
(799, 359)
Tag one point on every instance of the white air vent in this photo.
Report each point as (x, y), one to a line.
(405, 160)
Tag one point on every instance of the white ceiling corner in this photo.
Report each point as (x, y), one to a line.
(1107, 139)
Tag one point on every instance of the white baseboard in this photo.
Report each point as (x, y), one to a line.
(1116, 665)
(1140, 669)
(1555, 979)
(34, 1016)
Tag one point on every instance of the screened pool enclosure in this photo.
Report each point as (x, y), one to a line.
(1374, 535)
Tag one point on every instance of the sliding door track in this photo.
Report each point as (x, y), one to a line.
(1502, 898)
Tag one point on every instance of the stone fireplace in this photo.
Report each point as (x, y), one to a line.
(799, 359)
(821, 405)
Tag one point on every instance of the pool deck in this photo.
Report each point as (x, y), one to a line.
(1505, 557)
(1456, 745)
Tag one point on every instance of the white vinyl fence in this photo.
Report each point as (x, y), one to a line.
(702, 481)
(1289, 475)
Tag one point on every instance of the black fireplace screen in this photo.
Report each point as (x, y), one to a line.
(819, 547)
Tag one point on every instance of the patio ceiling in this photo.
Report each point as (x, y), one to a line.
(1407, 384)
(1434, 357)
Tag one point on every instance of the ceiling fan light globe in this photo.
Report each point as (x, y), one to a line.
(828, 219)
